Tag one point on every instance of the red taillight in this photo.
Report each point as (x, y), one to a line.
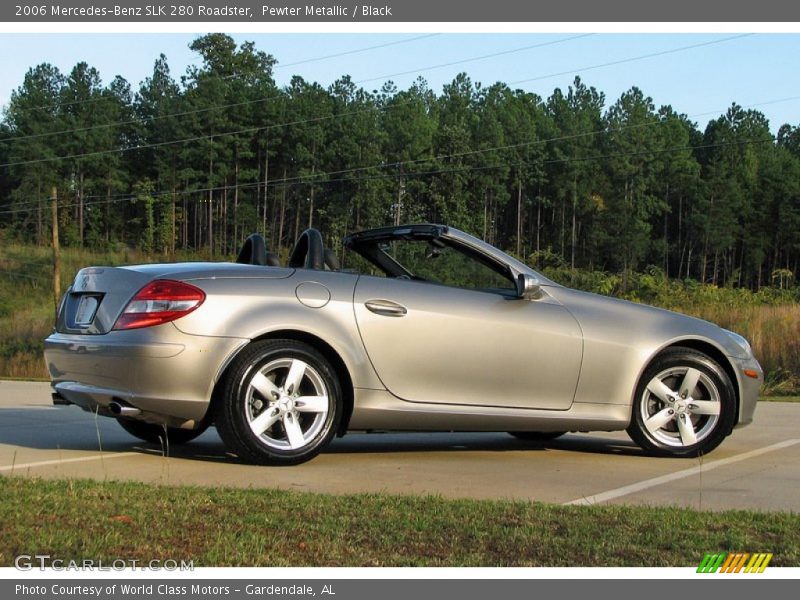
(160, 302)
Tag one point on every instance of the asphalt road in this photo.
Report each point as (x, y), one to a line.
(758, 467)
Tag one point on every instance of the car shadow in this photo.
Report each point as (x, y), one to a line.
(393, 442)
(69, 429)
(210, 448)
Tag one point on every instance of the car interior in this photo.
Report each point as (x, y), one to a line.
(309, 252)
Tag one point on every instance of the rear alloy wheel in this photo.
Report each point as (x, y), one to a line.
(282, 403)
(685, 405)
(537, 436)
(154, 434)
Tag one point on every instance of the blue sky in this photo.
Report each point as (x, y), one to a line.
(752, 70)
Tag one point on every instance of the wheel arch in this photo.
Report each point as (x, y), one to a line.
(338, 364)
(707, 348)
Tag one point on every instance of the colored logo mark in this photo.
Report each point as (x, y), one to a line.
(735, 562)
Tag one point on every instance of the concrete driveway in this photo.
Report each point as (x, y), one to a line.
(758, 467)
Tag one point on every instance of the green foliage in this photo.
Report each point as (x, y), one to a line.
(653, 287)
(574, 179)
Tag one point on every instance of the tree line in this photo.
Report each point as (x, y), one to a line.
(199, 162)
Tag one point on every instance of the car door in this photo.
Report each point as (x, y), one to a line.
(443, 344)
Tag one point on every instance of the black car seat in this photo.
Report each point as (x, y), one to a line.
(331, 260)
(308, 251)
(254, 252)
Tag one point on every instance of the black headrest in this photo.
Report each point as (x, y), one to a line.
(308, 251)
(254, 251)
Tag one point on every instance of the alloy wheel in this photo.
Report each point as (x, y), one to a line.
(286, 404)
(681, 405)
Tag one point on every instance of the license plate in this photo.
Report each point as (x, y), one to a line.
(87, 307)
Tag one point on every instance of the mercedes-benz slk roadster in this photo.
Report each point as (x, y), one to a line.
(423, 328)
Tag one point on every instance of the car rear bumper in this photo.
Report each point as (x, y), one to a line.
(167, 374)
(749, 388)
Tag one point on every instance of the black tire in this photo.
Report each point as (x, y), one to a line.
(155, 433)
(312, 423)
(536, 436)
(690, 429)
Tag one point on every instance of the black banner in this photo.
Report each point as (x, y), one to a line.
(398, 11)
(393, 589)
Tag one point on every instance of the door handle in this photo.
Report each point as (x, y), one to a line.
(387, 308)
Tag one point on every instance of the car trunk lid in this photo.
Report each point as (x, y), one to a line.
(98, 295)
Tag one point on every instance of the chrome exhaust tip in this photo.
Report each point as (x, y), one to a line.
(123, 410)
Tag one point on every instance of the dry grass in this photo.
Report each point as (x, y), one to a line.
(23, 365)
(21, 338)
(774, 333)
(26, 301)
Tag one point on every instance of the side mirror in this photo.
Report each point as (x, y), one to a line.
(528, 286)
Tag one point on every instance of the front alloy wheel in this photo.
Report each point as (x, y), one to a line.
(282, 403)
(685, 405)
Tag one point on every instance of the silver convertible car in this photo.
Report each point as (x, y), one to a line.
(427, 329)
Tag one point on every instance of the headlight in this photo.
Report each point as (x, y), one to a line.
(740, 341)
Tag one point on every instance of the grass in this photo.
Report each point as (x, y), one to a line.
(779, 399)
(79, 519)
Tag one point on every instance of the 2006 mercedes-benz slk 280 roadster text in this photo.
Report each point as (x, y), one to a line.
(427, 329)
